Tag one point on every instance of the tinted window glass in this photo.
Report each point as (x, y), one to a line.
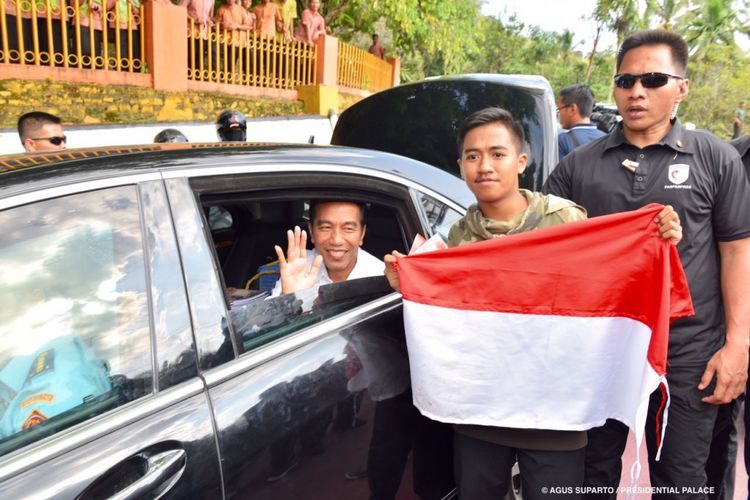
(250, 269)
(260, 319)
(439, 215)
(74, 329)
(219, 218)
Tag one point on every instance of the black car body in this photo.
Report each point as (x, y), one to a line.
(420, 120)
(128, 373)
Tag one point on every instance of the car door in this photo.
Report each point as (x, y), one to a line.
(99, 388)
(316, 403)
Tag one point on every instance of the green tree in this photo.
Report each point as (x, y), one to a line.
(666, 12)
(716, 87)
(714, 23)
(620, 16)
(439, 33)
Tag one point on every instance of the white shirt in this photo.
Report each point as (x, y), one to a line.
(365, 267)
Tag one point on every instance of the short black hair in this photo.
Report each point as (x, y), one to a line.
(657, 37)
(581, 95)
(362, 209)
(485, 116)
(34, 120)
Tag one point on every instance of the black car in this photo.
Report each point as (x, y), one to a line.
(126, 371)
(420, 120)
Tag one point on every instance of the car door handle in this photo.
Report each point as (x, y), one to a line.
(162, 471)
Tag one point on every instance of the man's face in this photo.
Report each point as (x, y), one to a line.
(337, 233)
(565, 113)
(39, 139)
(490, 163)
(314, 5)
(649, 110)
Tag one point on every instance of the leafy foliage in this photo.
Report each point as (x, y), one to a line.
(435, 37)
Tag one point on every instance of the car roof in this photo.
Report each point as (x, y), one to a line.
(24, 172)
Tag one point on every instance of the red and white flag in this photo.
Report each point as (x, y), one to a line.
(558, 328)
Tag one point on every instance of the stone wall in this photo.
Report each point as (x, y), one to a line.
(81, 104)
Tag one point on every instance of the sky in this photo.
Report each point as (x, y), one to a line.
(554, 16)
(559, 15)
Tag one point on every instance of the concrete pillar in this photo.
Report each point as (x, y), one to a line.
(395, 63)
(323, 97)
(319, 99)
(167, 54)
(328, 55)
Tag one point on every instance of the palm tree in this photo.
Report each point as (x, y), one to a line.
(621, 16)
(666, 11)
(715, 22)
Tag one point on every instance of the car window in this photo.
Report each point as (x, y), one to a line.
(219, 218)
(250, 268)
(74, 327)
(262, 319)
(439, 215)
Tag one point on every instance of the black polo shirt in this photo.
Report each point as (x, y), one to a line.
(742, 145)
(703, 179)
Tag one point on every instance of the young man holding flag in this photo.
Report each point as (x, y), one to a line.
(490, 145)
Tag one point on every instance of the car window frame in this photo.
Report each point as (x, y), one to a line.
(270, 182)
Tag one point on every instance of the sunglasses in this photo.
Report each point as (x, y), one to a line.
(56, 140)
(648, 80)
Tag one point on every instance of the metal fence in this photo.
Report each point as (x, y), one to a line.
(357, 68)
(111, 35)
(93, 34)
(244, 58)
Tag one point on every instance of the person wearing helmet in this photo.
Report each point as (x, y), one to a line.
(170, 135)
(231, 126)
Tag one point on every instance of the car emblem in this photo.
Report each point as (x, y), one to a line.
(678, 173)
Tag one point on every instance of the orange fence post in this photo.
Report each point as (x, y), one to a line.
(166, 54)
(395, 63)
(328, 53)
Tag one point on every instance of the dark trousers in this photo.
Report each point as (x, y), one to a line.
(14, 40)
(686, 444)
(125, 51)
(398, 429)
(195, 49)
(86, 48)
(720, 467)
(483, 471)
(736, 131)
(43, 38)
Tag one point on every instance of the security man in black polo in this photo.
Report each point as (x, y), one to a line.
(651, 158)
(721, 464)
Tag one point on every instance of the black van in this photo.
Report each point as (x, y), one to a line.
(420, 120)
